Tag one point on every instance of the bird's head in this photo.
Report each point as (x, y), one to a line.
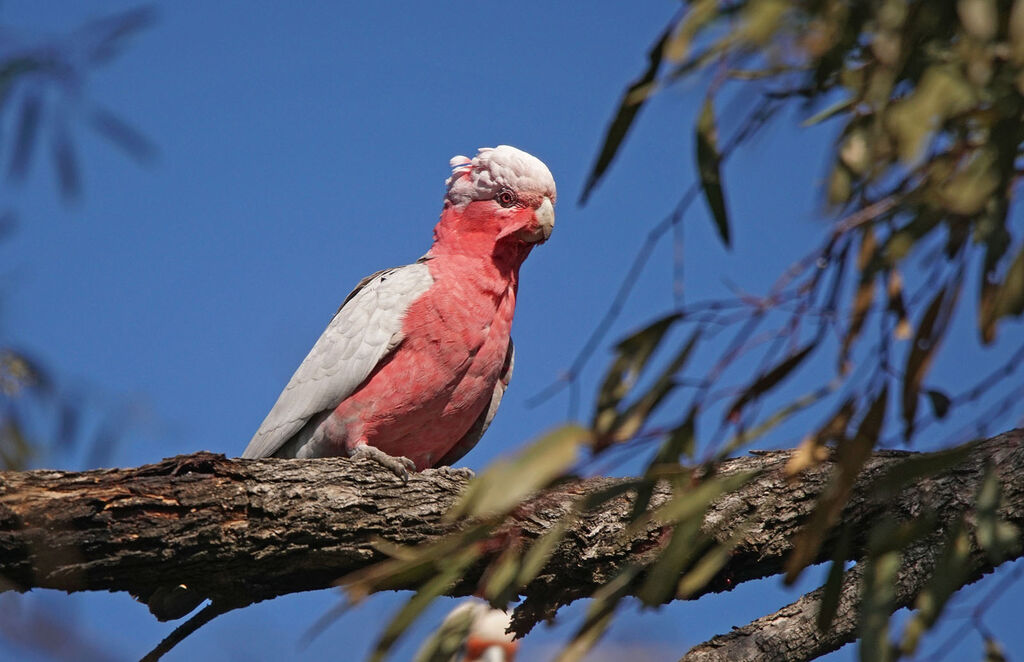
(501, 200)
(487, 639)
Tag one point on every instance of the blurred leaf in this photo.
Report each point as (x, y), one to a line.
(506, 482)
(834, 583)
(662, 577)
(828, 113)
(967, 192)
(632, 355)
(15, 449)
(812, 450)
(993, 651)
(840, 185)
(694, 502)
(698, 14)
(25, 136)
(599, 614)
(849, 460)
(894, 291)
(941, 93)
(710, 564)
(629, 106)
(444, 643)
(709, 161)
(65, 164)
(629, 422)
(999, 538)
(761, 19)
(745, 436)
(768, 380)
(992, 232)
(951, 570)
(877, 603)
(979, 18)
(681, 441)
(409, 565)
(930, 331)
(915, 468)
(108, 34)
(1007, 298)
(537, 556)
(122, 134)
(863, 298)
(1016, 33)
(940, 402)
(500, 580)
(448, 575)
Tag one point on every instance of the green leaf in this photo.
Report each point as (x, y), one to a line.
(507, 482)
(930, 331)
(768, 380)
(993, 651)
(708, 566)
(951, 570)
(877, 603)
(694, 502)
(632, 420)
(940, 402)
(444, 643)
(540, 552)
(864, 297)
(709, 162)
(663, 575)
(631, 356)
(1009, 297)
(599, 614)
(1000, 539)
(681, 440)
(849, 460)
(834, 583)
(500, 580)
(448, 575)
(629, 106)
(829, 113)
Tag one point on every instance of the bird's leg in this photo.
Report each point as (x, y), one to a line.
(400, 466)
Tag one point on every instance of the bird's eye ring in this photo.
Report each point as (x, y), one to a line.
(506, 197)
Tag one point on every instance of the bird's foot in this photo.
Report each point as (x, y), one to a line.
(400, 466)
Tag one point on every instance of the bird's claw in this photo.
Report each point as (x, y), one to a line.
(398, 465)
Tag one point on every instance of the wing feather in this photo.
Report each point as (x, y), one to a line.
(366, 328)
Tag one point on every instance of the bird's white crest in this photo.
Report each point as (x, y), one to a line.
(494, 168)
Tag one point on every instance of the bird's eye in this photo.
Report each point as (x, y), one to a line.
(506, 197)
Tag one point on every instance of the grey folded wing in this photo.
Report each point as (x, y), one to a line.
(483, 422)
(366, 328)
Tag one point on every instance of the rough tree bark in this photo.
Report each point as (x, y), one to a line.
(241, 531)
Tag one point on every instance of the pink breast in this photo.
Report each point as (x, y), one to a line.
(425, 397)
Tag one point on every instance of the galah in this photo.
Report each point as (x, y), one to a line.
(471, 632)
(412, 368)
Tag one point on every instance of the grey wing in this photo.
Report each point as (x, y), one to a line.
(366, 328)
(483, 421)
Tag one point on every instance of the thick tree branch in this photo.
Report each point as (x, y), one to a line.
(246, 530)
(791, 633)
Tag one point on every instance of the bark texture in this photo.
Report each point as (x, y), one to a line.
(241, 531)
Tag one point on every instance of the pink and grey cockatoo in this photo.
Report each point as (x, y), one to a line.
(471, 632)
(412, 367)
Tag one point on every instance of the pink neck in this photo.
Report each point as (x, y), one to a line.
(470, 232)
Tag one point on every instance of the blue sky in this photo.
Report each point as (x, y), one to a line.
(301, 148)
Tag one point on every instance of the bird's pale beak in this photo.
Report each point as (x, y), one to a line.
(545, 217)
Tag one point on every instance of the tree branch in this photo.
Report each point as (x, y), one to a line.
(241, 531)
